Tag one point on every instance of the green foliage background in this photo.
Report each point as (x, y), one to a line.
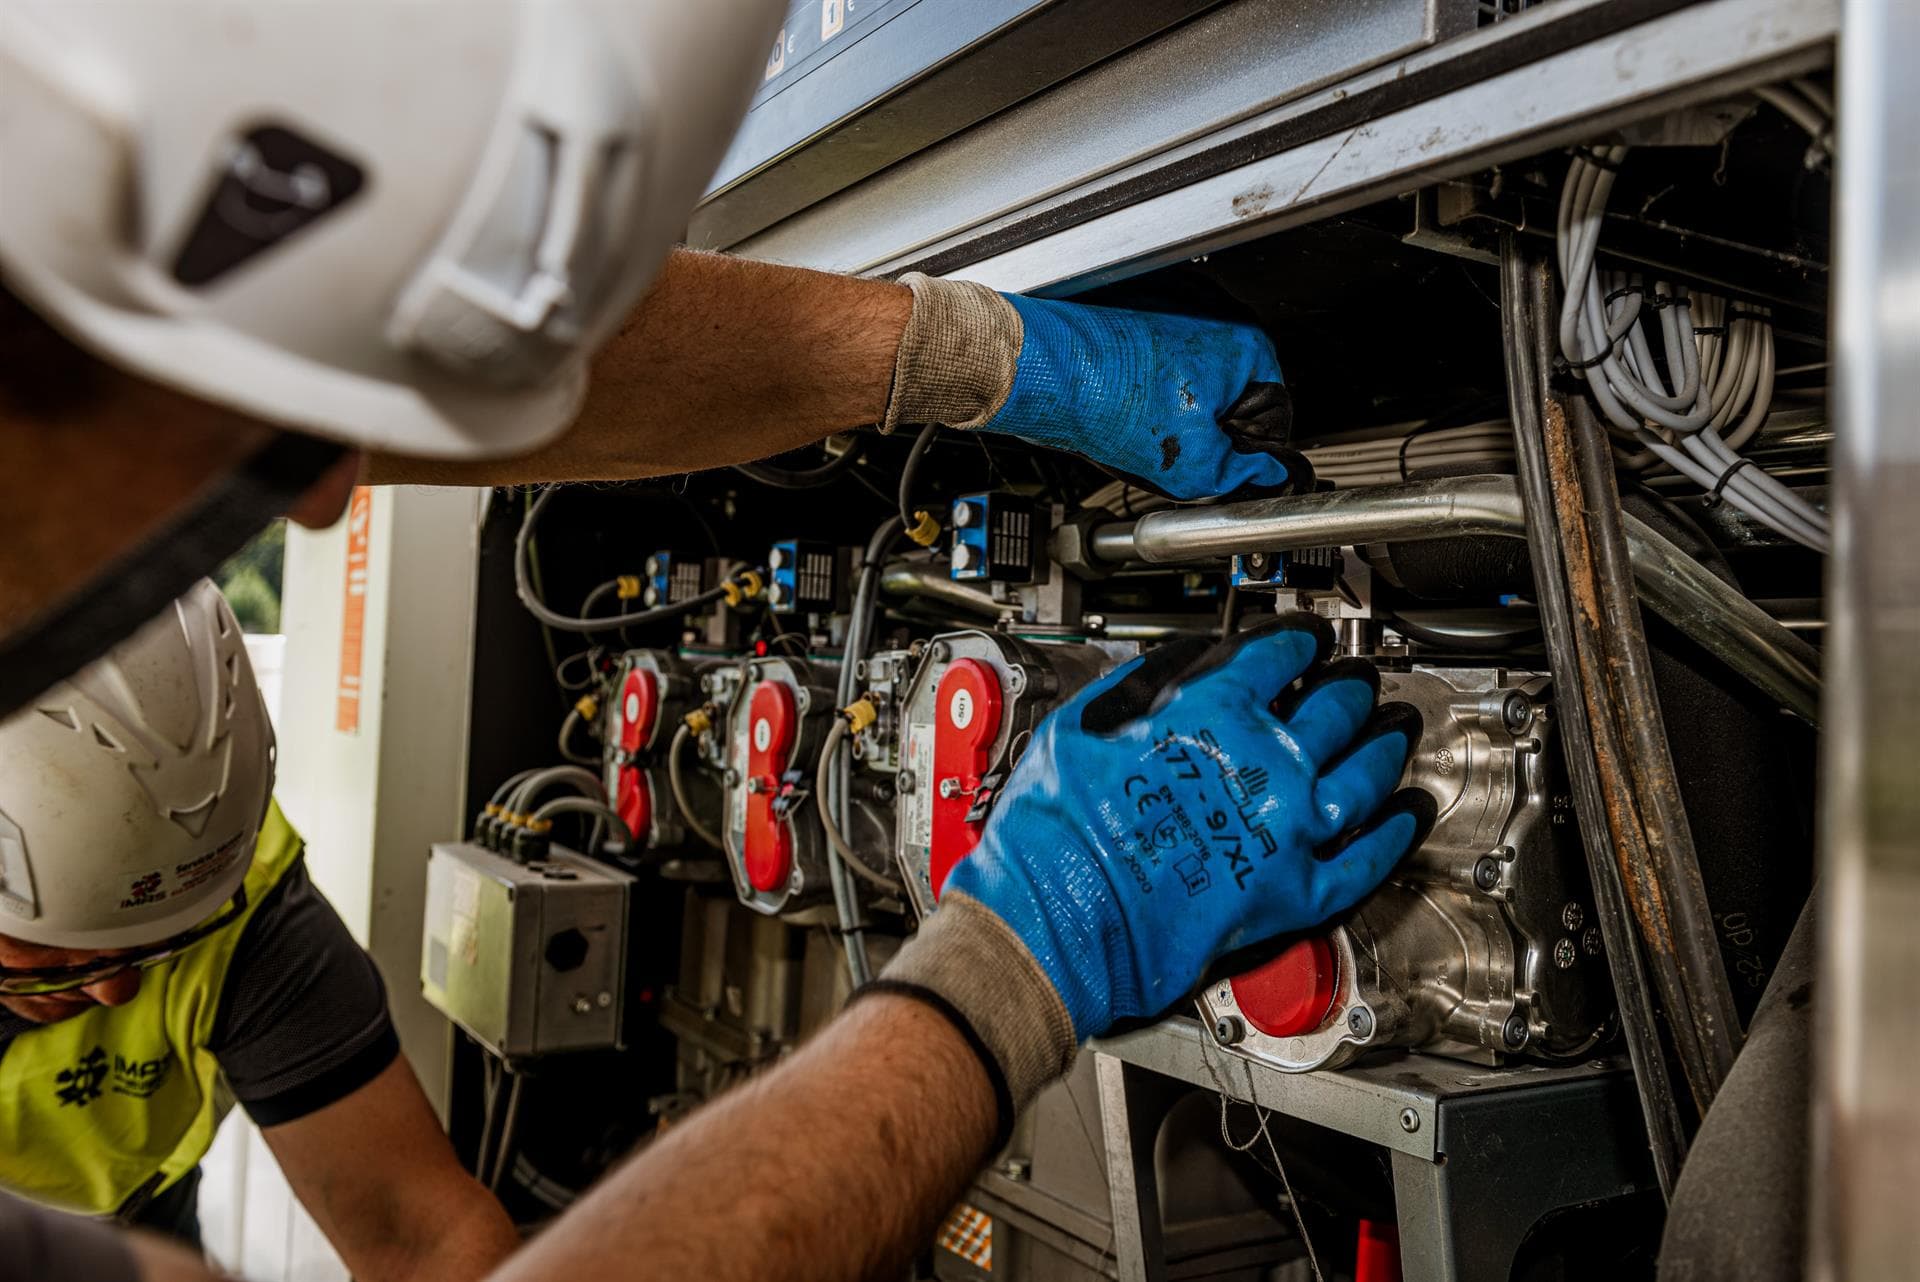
(251, 579)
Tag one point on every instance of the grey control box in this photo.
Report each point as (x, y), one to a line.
(530, 958)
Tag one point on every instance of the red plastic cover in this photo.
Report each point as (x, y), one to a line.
(1291, 994)
(633, 800)
(771, 722)
(966, 717)
(639, 703)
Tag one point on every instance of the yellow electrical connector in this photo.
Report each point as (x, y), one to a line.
(926, 529)
(860, 714)
(700, 720)
(751, 583)
(588, 707)
(539, 825)
(627, 586)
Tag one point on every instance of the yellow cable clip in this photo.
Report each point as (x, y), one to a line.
(539, 825)
(926, 528)
(700, 720)
(588, 707)
(627, 586)
(493, 808)
(751, 583)
(730, 591)
(860, 714)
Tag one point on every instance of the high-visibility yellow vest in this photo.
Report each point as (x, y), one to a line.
(106, 1109)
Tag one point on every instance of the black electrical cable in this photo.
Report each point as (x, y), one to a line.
(1522, 279)
(805, 478)
(910, 471)
(567, 623)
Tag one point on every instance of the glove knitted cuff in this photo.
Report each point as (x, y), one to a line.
(956, 358)
(971, 961)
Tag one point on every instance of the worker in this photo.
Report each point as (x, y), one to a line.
(163, 953)
(325, 263)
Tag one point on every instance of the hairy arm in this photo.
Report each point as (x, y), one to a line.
(379, 1177)
(724, 361)
(838, 1164)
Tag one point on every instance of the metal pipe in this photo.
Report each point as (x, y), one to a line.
(910, 579)
(1673, 584)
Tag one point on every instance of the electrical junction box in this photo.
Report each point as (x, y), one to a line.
(672, 579)
(996, 536)
(805, 578)
(529, 958)
(1312, 568)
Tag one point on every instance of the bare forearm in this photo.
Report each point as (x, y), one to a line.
(458, 1243)
(725, 360)
(838, 1164)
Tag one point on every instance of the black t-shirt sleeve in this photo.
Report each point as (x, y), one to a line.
(38, 1245)
(303, 1016)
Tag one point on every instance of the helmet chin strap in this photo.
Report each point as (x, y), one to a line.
(219, 520)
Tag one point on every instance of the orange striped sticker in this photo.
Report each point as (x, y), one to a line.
(353, 612)
(968, 1233)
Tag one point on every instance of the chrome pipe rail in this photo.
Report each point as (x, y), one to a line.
(1674, 585)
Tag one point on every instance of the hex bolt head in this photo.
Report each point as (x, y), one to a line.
(941, 651)
(904, 782)
(1514, 1033)
(1409, 1120)
(581, 1006)
(1360, 1022)
(1228, 1030)
(1517, 712)
(733, 777)
(1486, 872)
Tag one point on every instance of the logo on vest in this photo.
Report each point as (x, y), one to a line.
(82, 1084)
(95, 1074)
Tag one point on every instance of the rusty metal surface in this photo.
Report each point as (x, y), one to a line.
(1522, 281)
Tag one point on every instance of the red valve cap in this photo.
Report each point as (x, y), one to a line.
(1291, 994)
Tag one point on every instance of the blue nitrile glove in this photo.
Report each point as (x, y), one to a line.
(1201, 799)
(1189, 408)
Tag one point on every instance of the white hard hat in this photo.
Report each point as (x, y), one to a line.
(132, 792)
(403, 224)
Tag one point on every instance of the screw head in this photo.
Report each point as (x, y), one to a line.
(733, 777)
(581, 1006)
(1228, 1030)
(1486, 872)
(1514, 1032)
(903, 782)
(1360, 1022)
(941, 651)
(1258, 565)
(1564, 953)
(1516, 712)
(1573, 916)
(603, 1000)
(1409, 1120)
